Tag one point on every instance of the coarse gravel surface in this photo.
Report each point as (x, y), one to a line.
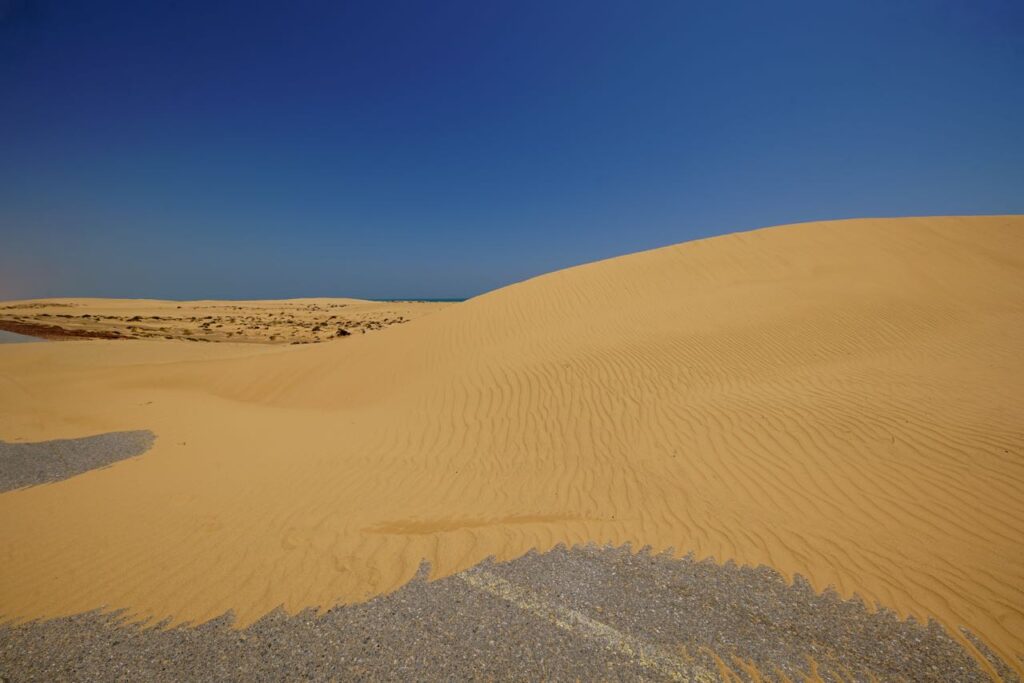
(28, 464)
(583, 613)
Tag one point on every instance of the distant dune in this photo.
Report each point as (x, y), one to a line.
(842, 400)
(287, 321)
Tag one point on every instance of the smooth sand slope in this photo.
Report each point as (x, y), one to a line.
(287, 321)
(842, 400)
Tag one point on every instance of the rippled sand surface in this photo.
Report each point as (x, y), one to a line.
(842, 400)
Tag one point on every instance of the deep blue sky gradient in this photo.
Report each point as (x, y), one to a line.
(441, 149)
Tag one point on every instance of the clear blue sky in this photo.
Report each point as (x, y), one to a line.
(441, 149)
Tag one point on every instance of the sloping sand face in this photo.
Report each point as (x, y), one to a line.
(841, 400)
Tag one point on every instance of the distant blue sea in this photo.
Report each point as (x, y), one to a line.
(15, 338)
(413, 298)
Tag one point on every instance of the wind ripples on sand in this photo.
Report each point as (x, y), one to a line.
(837, 400)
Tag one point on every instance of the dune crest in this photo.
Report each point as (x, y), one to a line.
(843, 400)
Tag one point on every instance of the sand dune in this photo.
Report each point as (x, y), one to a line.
(842, 400)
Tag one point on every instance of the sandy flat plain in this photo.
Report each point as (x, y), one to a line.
(839, 400)
(289, 321)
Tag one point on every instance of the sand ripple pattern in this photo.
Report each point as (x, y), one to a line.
(842, 400)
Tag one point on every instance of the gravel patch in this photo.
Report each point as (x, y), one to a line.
(28, 464)
(745, 614)
(582, 614)
(585, 613)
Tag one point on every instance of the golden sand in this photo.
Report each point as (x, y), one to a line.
(843, 400)
(288, 321)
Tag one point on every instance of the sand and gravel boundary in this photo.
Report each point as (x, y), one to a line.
(29, 464)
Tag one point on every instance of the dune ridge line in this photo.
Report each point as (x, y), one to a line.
(841, 400)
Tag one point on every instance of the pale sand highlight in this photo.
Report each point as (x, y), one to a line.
(842, 400)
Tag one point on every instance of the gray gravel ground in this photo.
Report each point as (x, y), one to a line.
(585, 613)
(28, 464)
(580, 614)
